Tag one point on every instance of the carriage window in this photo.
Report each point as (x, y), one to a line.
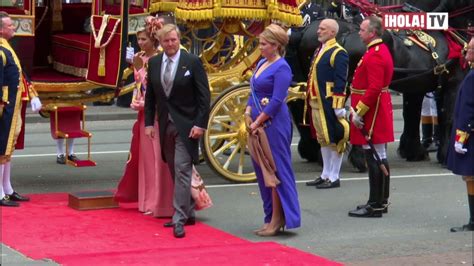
(12, 3)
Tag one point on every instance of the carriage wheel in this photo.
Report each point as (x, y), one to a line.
(225, 140)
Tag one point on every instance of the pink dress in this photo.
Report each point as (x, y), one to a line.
(154, 191)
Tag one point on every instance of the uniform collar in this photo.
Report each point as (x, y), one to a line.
(330, 42)
(4, 42)
(374, 42)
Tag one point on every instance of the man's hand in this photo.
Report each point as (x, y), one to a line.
(36, 104)
(196, 132)
(458, 148)
(340, 112)
(150, 132)
(357, 120)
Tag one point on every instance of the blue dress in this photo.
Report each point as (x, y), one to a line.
(273, 84)
(463, 164)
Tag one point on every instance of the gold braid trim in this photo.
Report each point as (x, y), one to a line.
(338, 101)
(4, 58)
(461, 136)
(16, 116)
(362, 109)
(341, 145)
(163, 7)
(98, 40)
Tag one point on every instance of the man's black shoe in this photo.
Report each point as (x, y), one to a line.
(385, 207)
(368, 212)
(315, 182)
(178, 231)
(17, 197)
(61, 159)
(8, 203)
(190, 221)
(329, 184)
(465, 228)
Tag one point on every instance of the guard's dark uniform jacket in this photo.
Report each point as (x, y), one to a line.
(326, 92)
(463, 129)
(10, 96)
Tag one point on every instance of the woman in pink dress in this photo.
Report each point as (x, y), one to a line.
(146, 177)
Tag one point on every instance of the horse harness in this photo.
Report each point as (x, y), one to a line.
(427, 43)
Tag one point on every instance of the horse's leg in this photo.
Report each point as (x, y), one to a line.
(357, 158)
(410, 146)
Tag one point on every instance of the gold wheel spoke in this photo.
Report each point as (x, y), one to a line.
(224, 124)
(241, 159)
(231, 157)
(223, 135)
(225, 147)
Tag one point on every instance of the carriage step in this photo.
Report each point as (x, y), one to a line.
(92, 200)
(82, 163)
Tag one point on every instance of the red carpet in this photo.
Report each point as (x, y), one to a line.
(47, 228)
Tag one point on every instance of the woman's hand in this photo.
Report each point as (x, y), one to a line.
(247, 120)
(138, 104)
(253, 127)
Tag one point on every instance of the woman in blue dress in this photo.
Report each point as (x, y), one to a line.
(267, 106)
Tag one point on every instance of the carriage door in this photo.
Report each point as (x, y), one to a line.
(107, 42)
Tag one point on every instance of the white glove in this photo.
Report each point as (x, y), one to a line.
(357, 120)
(129, 54)
(340, 112)
(458, 148)
(35, 104)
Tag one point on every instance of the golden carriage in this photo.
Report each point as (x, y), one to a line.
(71, 62)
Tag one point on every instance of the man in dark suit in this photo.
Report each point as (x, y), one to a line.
(178, 93)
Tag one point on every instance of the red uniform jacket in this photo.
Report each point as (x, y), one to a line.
(370, 97)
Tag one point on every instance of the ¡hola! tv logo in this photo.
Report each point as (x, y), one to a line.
(416, 21)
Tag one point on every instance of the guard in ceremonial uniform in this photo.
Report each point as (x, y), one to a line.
(326, 97)
(13, 92)
(372, 105)
(461, 149)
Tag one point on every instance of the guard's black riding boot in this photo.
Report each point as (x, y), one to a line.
(426, 135)
(369, 156)
(470, 225)
(436, 134)
(386, 187)
(374, 206)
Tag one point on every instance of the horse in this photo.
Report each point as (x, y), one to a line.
(414, 76)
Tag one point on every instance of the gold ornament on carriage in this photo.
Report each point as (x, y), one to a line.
(98, 39)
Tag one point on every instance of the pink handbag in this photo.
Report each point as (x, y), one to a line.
(199, 192)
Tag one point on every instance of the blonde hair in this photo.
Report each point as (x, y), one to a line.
(167, 29)
(275, 34)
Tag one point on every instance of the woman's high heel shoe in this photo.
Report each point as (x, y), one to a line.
(264, 227)
(272, 232)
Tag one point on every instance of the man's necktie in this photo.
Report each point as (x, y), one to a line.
(167, 74)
